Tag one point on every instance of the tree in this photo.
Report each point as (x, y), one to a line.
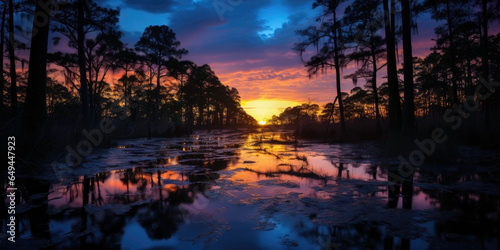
(84, 93)
(327, 112)
(328, 39)
(395, 119)
(180, 70)
(408, 105)
(209, 103)
(101, 57)
(486, 15)
(69, 63)
(365, 21)
(12, 57)
(201, 81)
(233, 106)
(431, 81)
(126, 60)
(159, 43)
(454, 13)
(35, 105)
(76, 20)
(2, 47)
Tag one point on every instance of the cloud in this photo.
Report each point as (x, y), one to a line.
(151, 6)
(230, 41)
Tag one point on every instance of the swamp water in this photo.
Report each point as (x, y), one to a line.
(261, 190)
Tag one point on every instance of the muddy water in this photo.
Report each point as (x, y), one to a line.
(263, 190)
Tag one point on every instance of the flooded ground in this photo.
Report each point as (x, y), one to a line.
(262, 190)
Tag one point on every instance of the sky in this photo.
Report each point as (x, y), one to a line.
(248, 44)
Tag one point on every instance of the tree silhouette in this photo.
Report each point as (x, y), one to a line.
(35, 104)
(101, 57)
(2, 49)
(197, 89)
(365, 20)
(159, 43)
(208, 103)
(488, 13)
(12, 61)
(395, 119)
(453, 13)
(180, 70)
(233, 105)
(328, 39)
(76, 20)
(327, 112)
(127, 60)
(408, 105)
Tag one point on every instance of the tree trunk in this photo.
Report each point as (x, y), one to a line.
(2, 45)
(374, 89)
(157, 103)
(485, 61)
(201, 113)
(452, 54)
(81, 63)
(392, 77)
(38, 216)
(90, 86)
(12, 57)
(35, 105)
(408, 105)
(337, 73)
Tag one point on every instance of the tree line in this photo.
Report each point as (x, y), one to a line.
(460, 72)
(73, 84)
(49, 98)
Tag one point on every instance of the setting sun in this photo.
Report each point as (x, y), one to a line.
(263, 110)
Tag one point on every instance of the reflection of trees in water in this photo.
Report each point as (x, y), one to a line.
(301, 172)
(160, 218)
(35, 221)
(106, 230)
(104, 226)
(473, 213)
(446, 175)
(38, 216)
(353, 236)
(399, 185)
(159, 221)
(216, 165)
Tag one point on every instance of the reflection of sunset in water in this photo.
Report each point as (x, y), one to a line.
(218, 186)
(272, 168)
(271, 163)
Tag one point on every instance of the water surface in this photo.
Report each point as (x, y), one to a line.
(261, 190)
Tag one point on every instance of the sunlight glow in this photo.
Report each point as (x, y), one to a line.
(262, 123)
(262, 109)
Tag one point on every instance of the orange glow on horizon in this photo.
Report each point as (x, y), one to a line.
(263, 110)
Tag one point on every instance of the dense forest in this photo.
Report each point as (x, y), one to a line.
(453, 85)
(48, 97)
